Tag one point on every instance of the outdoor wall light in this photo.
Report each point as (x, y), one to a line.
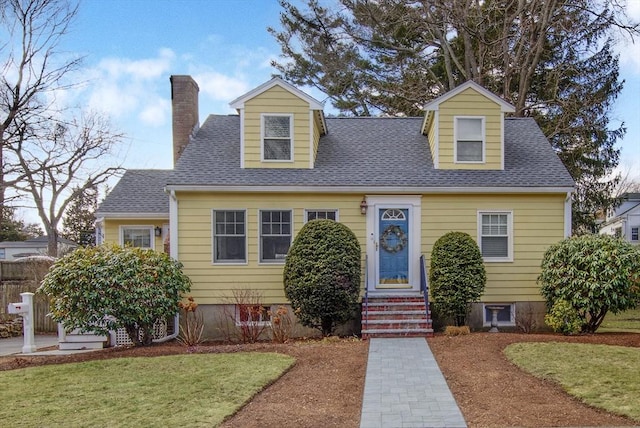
(158, 231)
(363, 206)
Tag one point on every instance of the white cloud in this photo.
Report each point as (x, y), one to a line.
(220, 87)
(156, 113)
(629, 48)
(142, 69)
(124, 88)
(633, 9)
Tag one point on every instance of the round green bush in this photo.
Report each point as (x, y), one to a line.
(562, 318)
(100, 289)
(595, 274)
(457, 276)
(322, 275)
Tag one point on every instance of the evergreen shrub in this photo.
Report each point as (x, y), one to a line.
(322, 275)
(457, 275)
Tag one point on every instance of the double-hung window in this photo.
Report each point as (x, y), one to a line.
(277, 137)
(137, 236)
(495, 235)
(634, 233)
(275, 235)
(320, 215)
(229, 236)
(469, 139)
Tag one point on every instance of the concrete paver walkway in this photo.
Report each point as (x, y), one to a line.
(404, 387)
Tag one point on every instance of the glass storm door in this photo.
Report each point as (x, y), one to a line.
(393, 248)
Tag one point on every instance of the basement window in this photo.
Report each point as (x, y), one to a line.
(506, 316)
(252, 315)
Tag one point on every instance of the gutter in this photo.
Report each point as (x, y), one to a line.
(364, 189)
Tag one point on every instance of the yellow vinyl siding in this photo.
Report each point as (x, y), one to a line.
(213, 283)
(316, 136)
(112, 230)
(470, 103)
(276, 100)
(538, 221)
(431, 137)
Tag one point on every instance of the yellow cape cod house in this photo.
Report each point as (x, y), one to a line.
(243, 185)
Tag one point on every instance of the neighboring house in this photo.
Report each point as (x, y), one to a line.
(243, 186)
(624, 221)
(12, 250)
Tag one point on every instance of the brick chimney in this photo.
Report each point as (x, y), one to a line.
(184, 104)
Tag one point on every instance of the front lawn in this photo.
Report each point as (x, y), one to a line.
(627, 321)
(178, 390)
(603, 376)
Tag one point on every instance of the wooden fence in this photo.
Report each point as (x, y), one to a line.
(20, 277)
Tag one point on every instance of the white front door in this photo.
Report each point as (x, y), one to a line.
(393, 247)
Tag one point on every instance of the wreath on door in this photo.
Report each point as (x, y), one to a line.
(393, 239)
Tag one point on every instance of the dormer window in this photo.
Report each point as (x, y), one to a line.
(469, 139)
(277, 137)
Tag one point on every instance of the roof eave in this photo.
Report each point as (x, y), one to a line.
(238, 103)
(434, 104)
(133, 216)
(367, 189)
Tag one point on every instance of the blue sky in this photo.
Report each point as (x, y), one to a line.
(133, 46)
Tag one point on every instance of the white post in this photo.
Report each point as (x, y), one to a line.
(27, 319)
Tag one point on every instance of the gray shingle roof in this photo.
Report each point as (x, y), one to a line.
(369, 152)
(357, 152)
(138, 191)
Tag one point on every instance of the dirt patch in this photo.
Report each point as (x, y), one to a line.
(325, 386)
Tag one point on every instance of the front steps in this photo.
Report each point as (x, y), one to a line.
(395, 315)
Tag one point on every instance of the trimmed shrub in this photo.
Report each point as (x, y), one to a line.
(594, 274)
(322, 275)
(457, 276)
(98, 289)
(562, 318)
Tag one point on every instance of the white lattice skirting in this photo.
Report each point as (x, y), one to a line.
(121, 338)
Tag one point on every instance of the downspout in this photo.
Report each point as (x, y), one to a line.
(567, 215)
(173, 252)
(176, 331)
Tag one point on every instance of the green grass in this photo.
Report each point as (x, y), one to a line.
(169, 391)
(603, 376)
(627, 321)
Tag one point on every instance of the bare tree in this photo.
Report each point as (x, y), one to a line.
(58, 166)
(32, 70)
(627, 183)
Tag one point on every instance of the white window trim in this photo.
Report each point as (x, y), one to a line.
(510, 238)
(256, 323)
(133, 226)
(455, 139)
(307, 210)
(291, 129)
(272, 262)
(512, 310)
(213, 240)
(631, 233)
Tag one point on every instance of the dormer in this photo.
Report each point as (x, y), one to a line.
(280, 126)
(465, 128)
